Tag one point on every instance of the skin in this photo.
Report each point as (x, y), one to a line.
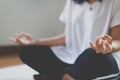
(29, 40)
(104, 44)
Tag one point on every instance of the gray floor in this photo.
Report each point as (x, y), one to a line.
(19, 72)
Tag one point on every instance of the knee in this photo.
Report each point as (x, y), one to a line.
(67, 77)
(89, 50)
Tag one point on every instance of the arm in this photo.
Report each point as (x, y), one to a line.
(58, 40)
(115, 34)
(26, 39)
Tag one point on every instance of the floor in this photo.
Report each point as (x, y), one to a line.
(8, 60)
(11, 68)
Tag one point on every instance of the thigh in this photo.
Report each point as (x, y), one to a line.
(42, 59)
(35, 54)
(90, 65)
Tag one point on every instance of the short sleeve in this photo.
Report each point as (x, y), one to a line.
(116, 14)
(116, 19)
(64, 13)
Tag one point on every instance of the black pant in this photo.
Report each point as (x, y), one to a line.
(43, 60)
(90, 65)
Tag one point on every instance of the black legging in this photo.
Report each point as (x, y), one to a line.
(43, 60)
(90, 65)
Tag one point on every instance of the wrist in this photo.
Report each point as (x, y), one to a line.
(115, 46)
(34, 42)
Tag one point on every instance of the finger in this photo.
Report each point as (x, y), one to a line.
(108, 38)
(108, 47)
(103, 48)
(97, 44)
(24, 35)
(97, 41)
(28, 36)
(92, 45)
(18, 40)
(100, 47)
(15, 40)
(12, 39)
(18, 35)
(100, 41)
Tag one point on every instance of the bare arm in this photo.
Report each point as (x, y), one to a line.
(27, 39)
(115, 34)
(58, 40)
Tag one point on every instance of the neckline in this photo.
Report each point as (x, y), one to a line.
(93, 2)
(91, 6)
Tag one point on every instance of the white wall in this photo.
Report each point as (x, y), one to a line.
(37, 17)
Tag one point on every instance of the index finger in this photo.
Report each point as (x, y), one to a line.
(108, 38)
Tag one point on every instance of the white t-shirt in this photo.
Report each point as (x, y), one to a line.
(84, 25)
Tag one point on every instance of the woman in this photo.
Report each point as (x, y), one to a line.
(89, 19)
(69, 55)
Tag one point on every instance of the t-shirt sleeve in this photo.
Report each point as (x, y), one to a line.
(116, 14)
(64, 13)
(116, 19)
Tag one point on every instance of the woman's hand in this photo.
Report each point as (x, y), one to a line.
(23, 39)
(103, 44)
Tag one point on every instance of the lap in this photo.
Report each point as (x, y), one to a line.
(90, 65)
(42, 59)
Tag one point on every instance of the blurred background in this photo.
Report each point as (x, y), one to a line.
(37, 17)
(40, 18)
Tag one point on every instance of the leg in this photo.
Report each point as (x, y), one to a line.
(43, 60)
(90, 65)
(67, 77)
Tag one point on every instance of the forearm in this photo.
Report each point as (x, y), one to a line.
(58, 40)
(115, 34)
(116, 45)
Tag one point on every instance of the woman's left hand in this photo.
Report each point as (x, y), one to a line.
(103, 44)
(23, 39)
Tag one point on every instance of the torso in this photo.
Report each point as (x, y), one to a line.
(82, 26)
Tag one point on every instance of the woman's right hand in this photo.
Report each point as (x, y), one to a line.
(103, 44)
(23, 39)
